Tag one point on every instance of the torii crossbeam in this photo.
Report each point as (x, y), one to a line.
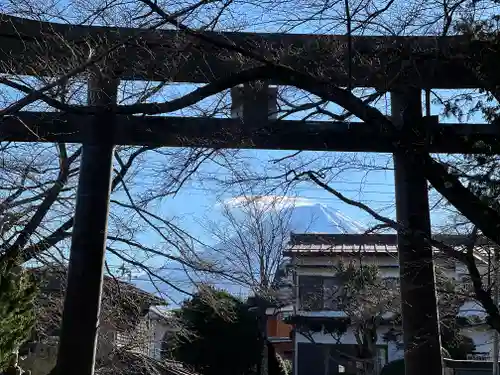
(386, 63)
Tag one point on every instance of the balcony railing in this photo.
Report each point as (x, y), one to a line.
(479, 356)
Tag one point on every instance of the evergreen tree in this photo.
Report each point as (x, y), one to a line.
(222, 336)
(17, 314)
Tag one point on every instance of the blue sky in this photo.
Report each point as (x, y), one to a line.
(375, 188)
(198, 201)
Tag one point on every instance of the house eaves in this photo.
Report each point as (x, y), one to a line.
(318, 244)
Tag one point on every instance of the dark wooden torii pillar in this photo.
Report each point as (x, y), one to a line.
(80, 323)
(421, 336)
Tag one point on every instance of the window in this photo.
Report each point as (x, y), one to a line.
(311, 293)
(382, 355)
(391, 282)
(318, 293)
(331, 290)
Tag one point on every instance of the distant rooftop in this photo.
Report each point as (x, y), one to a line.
(383, 244)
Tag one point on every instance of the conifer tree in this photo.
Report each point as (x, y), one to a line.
(17, 315)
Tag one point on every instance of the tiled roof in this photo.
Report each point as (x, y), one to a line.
(123, 362)
(123, 304)
(324, 249)
(375, 238)
(337, 239)
(376, 244)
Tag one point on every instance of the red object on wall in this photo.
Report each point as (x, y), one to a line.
(279, 334)
(277, 328)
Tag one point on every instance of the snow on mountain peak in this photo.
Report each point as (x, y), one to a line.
(305, 215)
(320, 218)
(268, 202)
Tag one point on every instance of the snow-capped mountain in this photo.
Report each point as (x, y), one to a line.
(303, 215)
(299, 215)
(320, 218)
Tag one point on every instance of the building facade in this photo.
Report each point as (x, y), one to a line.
(309, 275)
(131, 320)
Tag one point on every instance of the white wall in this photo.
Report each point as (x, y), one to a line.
(310, 271)
(388, 265)
(160, 324)
(159, 330)
(482, 337)
(384, 260)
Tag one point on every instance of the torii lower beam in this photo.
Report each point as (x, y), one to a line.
(233, 133)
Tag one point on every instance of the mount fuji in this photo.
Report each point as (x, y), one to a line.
(302, 216)
(320, 218)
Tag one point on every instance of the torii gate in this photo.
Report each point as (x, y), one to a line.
(403, 65)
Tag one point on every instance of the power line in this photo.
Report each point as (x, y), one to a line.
(209, 175)
(311, 197)
(210, 190)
